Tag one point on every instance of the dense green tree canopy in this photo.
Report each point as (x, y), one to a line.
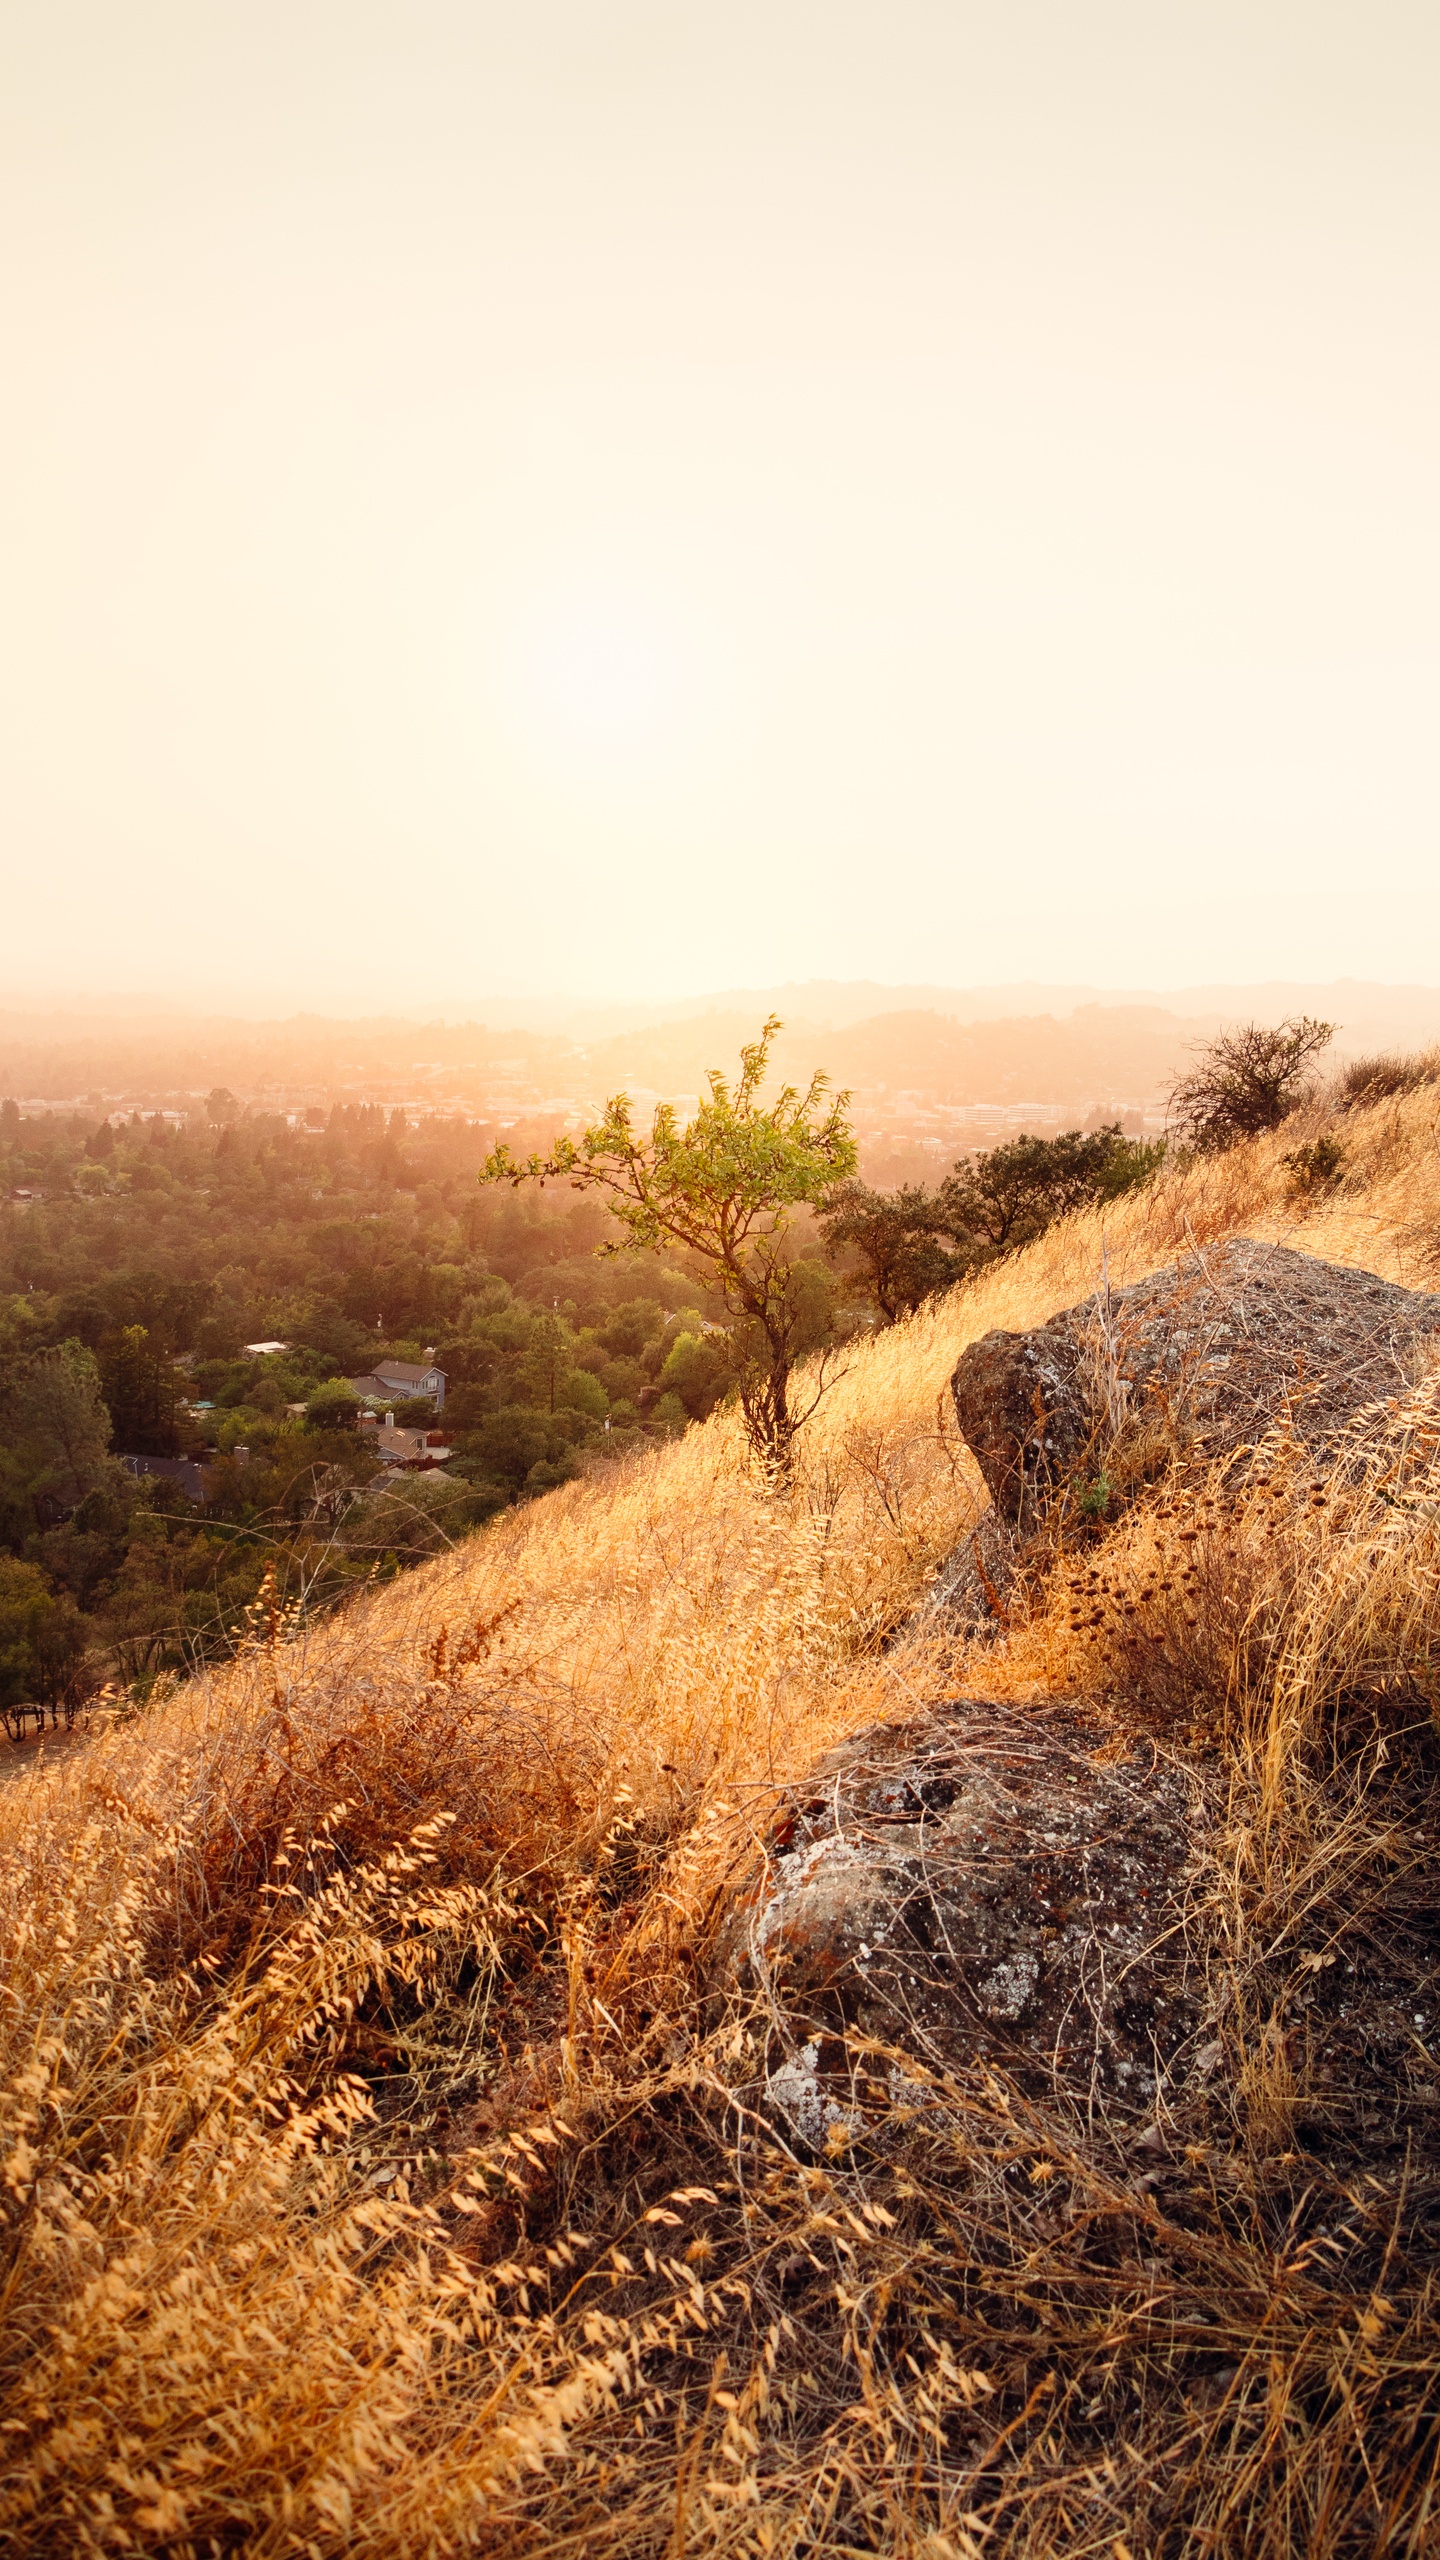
(902, 1246)
(141, 1257)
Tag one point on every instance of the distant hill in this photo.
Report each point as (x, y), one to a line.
(902, 1050)
(1094, 1054)
(1370, 1013)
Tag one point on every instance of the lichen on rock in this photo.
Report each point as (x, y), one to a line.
(1201, 1358)
(976, 1885)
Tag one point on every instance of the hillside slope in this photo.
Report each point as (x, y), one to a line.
(382, 2175)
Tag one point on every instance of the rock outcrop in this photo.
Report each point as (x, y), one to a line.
(998, 1881)
(1013, 1884)
(1204, 1357)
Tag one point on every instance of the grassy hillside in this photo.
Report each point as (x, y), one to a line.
(381, 2175)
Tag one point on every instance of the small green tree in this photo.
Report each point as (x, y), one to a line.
(1006, 1198)
(696, 1373)
(723, 1190)
(989, 1205)
(142, 1390)
(54, 1419)
(334, 1406)
(547, 1361)
(414, 1413)
(895, 1237)
(42, 1638)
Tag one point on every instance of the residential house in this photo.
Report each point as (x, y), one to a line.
(415, 1450)
(183, 1473)
(391, 1381)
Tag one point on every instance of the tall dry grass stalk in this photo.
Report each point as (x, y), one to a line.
(380, 2175)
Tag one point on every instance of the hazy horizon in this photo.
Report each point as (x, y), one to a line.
(610, 500)
(263, 1003)
(1367, 1011)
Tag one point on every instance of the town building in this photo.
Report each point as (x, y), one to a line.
(392, 1380)
(183, 1473)
(411, 1450)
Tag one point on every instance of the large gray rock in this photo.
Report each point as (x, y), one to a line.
(980, 1885)
(1205, 1357)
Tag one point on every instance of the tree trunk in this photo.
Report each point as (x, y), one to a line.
(770, 1426)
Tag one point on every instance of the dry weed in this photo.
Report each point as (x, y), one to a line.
(378, 2178)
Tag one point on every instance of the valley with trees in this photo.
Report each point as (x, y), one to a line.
(188, 1302)
(137, 1263)
(606, 2024)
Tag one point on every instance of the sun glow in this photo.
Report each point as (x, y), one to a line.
(609, 676)
(602, 671)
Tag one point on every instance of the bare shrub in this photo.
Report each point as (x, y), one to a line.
(1246, 1083)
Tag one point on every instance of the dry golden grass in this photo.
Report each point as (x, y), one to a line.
(380, 2176)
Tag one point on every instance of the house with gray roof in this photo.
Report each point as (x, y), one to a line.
(392, 1380)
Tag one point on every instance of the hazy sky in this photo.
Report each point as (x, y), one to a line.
(635, 496)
